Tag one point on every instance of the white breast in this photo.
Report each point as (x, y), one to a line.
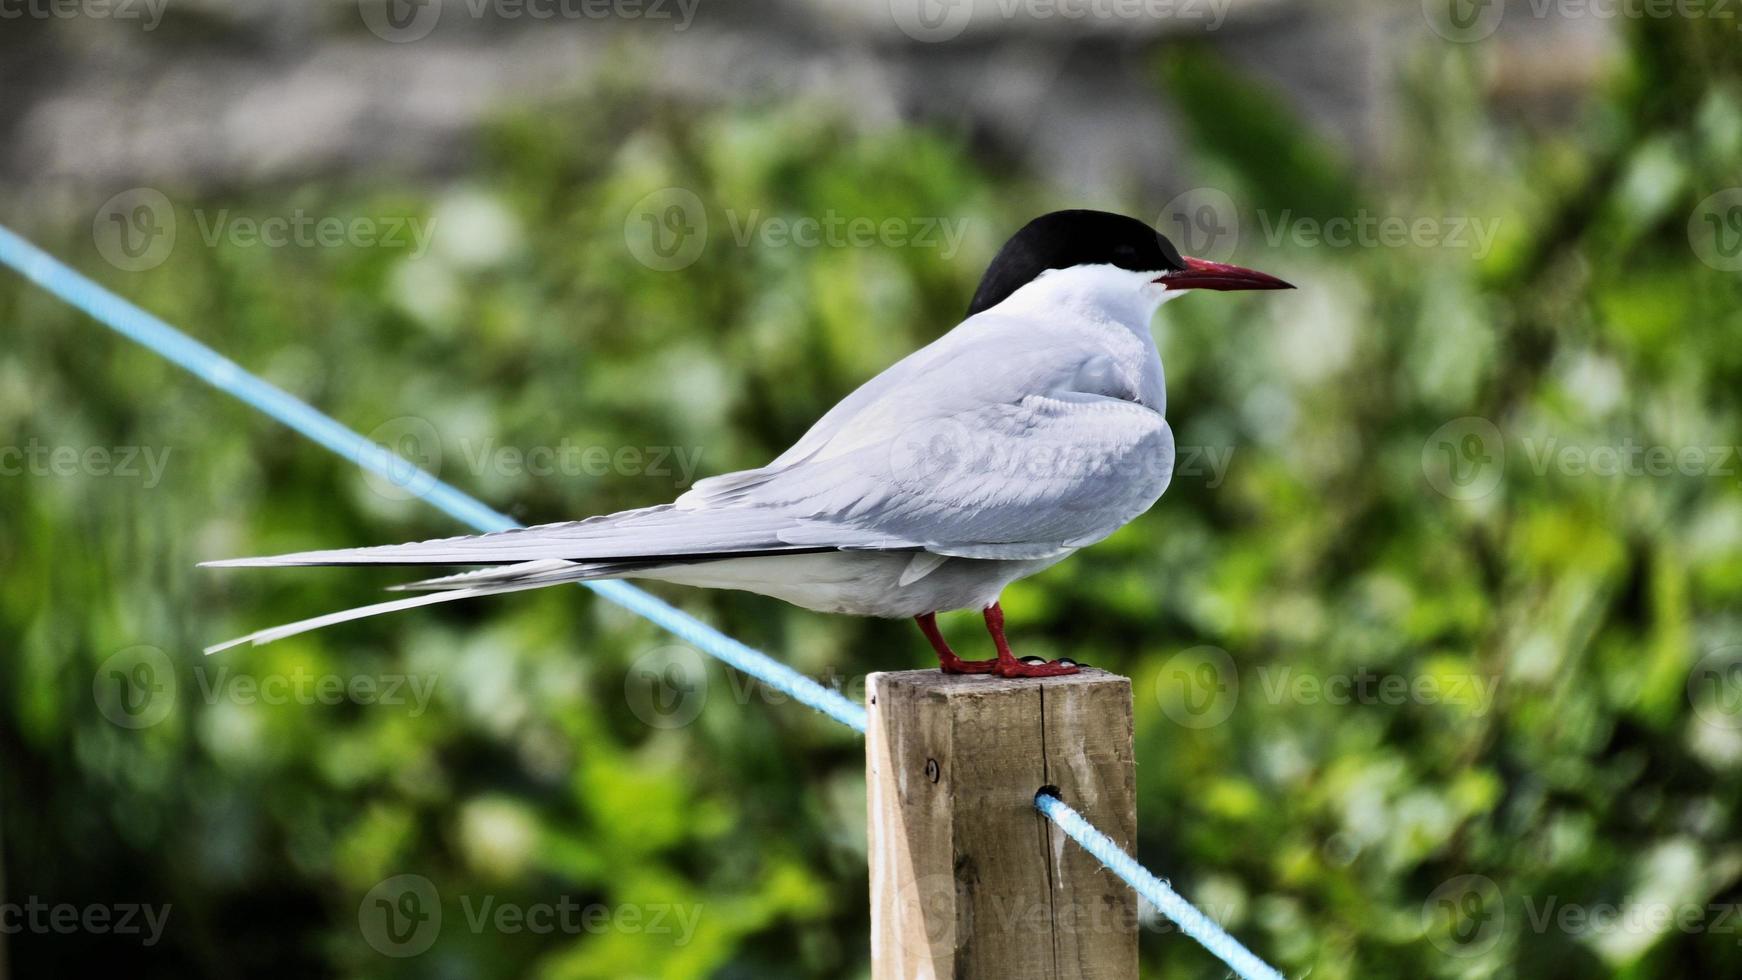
(859, 583)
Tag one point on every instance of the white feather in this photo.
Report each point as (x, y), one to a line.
(923, 564)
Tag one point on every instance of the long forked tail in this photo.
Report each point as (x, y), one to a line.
(517, 577)
(552, 554)
(364, 612)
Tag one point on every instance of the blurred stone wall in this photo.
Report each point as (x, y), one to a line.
(212, 92)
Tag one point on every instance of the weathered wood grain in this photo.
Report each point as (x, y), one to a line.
(968, 880)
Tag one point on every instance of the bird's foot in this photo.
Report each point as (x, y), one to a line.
(948, 662)
(1006, 664)
(1035, 667)
(1009, 665)
(956, 665)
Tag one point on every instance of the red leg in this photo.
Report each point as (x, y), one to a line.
(1008, 665)
(947, 659)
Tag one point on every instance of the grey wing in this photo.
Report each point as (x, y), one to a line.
(1033, 479)
(894, 386)
(1008, 440)
(649, 534)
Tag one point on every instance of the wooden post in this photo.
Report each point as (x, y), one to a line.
(968, 880)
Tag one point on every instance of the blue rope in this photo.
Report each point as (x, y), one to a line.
(227, 376)
(1167, 901)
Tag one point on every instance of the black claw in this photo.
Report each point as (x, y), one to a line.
(1034, 661)
(1068, 662)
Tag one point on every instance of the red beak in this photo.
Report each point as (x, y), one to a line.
(1204, 274)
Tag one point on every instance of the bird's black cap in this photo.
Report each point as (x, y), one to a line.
(1066, 238)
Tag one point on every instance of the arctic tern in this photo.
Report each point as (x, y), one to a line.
(1032, 429)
